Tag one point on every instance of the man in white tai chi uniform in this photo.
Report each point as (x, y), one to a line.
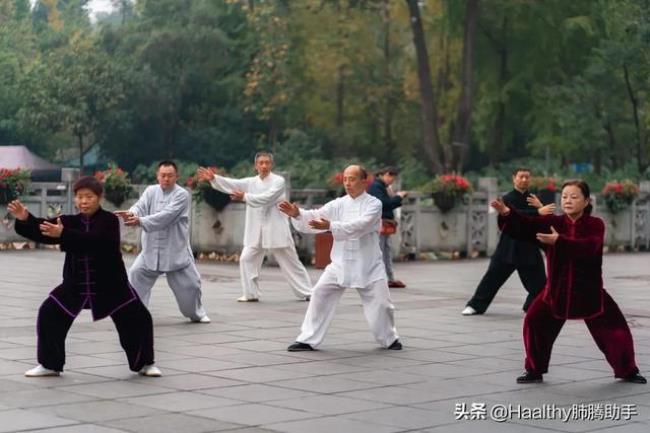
(357, 262)
(163, 214)
(266, 228)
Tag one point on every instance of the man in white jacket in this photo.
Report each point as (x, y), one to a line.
(266, 228)
(163, 214)
(357, 262)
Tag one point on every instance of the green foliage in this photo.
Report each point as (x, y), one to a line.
(323, 84)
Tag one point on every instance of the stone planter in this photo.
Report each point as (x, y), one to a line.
(444, 202)
(7, 195)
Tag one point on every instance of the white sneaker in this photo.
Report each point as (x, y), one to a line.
(245, 299)
(469, 311)
(40, 371)
(150, 371)
(204, 319)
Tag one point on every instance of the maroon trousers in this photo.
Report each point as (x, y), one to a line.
(609, 330)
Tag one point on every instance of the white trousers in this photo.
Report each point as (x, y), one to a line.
(185, 284)
(377, 308)
(250, 264)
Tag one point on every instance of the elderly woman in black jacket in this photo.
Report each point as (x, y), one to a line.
(94, 278)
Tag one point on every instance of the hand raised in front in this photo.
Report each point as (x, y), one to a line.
(51, 230)
(237, 196)
(534, 201)
(18, 210)
(548, 238)
(205, 174)
(546, 210)
(320, 224)
(500, 206)
(290, 209)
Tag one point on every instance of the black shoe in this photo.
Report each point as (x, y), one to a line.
(530, 377)
(635, 378)
(395, 346)
(299, 347)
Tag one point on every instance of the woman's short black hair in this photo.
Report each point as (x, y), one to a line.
(584, 188)
(89, 182)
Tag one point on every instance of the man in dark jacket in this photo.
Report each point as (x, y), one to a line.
(513, 255)
(379, 188)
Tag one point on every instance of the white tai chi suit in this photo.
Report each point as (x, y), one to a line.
(356, 262)
(266, 229)
(166, 249)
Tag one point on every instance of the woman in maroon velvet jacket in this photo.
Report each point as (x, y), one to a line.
(574, 287)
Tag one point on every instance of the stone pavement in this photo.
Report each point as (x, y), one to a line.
(235, 374)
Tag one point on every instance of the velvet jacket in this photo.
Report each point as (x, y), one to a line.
(513, 251)
(94, 275)
(574, 284)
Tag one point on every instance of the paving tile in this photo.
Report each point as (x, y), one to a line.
(328, 404)
(180, 401)
(98, 411)
(171, 422)
(331, 424)
(256, 393)
(19, 419)
(252, 414)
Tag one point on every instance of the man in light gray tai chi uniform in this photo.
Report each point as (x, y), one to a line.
(163, 214)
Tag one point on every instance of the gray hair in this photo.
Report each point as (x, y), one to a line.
(267, 154)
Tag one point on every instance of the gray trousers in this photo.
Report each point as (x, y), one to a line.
(387, 252)
(185, 284)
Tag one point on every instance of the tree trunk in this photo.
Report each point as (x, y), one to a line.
(598, 161)
(388, 96)
(640, 145)
(431, 139)
(273, 133)
(340, 98)
(462, 126)
(80, 141)
(618, 160)
(496, 147)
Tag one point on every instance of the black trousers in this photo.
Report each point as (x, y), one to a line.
(532, 276)
(134, 327)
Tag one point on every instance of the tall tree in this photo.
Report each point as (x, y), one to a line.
(462, 126)
(430, 136)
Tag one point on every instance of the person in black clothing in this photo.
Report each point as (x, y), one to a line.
(94, 278)
(379, 188)
(514, 255)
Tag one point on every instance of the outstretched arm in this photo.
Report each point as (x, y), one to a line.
(520, 226)
(268, 197)
(301, 218)
(169, 215)
(369, 221)
(228, 184)
(589, 246)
